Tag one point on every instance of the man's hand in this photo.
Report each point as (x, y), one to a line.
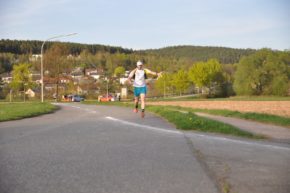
(159, 75)
(129, 81)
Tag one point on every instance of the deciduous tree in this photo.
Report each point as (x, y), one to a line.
(263, 73)
(205, 74)
(180, 81)
(22, 79)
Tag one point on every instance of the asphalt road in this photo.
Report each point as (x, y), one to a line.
(104, 149)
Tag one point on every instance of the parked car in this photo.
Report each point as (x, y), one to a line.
(77, 98)
(105, 98)
(72, 98)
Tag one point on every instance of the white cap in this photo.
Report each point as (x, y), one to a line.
(139, 63)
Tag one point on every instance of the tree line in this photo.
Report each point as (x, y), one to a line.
(170, 58)
(34, 47)
(236, 71)
(265, 72)
(203, 53)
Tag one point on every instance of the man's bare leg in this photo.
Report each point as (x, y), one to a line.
(136, 104)
(142, 97)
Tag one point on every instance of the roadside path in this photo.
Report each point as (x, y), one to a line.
(273, 132)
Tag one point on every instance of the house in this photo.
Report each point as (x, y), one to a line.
(94, 73)
(64, 80)
(77, 73)
(49, 86)
(50, 83)
(36, 77)
(123, 80)
(72, 57)
(53, 86)
(30, 93)
(89, 71)
(95, 76)
(7, 78)
(35, 57)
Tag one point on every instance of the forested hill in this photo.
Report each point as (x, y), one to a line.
(192, 53)
(200, 53)
(34, 47)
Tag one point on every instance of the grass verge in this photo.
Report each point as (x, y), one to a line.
(13, 111)
(190, 121)
(187, 121)
(260, 117)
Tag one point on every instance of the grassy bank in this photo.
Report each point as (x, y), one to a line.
(13, 111)
(190, 121)
(187, 121)
(260, 117)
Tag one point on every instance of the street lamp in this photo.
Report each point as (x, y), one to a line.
(107, 81)
(41, 70)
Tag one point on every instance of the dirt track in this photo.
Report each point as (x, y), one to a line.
(270, 107)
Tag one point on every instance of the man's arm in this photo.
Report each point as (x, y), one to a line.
(131, 75)
(152, 73)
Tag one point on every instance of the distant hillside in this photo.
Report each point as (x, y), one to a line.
(193, 53)
(200, 53)
(34, 47)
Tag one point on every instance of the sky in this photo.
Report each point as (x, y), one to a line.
(149, 24)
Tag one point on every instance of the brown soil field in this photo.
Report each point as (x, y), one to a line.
(281, 108)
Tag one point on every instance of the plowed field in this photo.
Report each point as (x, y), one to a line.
(281, 108)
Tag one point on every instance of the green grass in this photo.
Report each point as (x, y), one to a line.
(190, 121)
(13, 111)
(187, 121)
(260, 117)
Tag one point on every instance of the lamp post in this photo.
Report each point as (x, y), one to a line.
(41, 70)
(107, 85)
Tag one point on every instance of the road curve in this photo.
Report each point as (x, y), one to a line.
(104, 149)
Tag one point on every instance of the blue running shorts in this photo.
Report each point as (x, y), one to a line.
(139, 90)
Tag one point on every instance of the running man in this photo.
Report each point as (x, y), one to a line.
(139, 75)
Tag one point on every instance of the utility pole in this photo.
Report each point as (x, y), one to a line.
(42, 83)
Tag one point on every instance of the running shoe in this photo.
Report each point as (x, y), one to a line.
(142, 114)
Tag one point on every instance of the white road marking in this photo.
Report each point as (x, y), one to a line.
(77, 107)
(199, 135)
(189, 134)
(144, 126)
(238, 141)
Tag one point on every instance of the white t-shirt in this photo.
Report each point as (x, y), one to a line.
(139, 78)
